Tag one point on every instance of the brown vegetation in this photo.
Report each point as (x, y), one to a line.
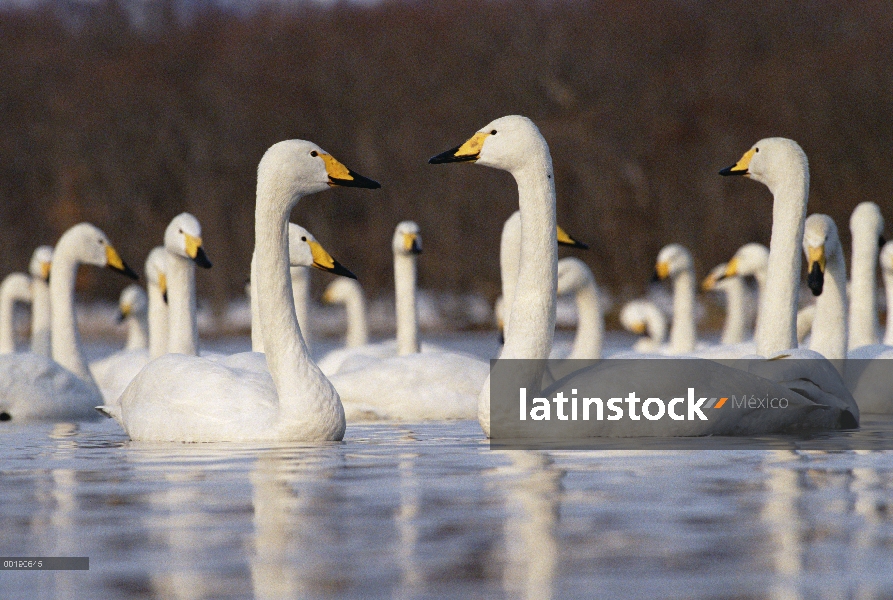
(642, 102)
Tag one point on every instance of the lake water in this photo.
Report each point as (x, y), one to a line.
(428, 510)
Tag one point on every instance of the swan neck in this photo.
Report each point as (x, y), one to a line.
(257, 336)
(157, 322)
(7, 326)
(137, 332)
(829, 328)
(682, 331)
(40, 318)
(300, 291)
(590, 324)
(778, 310)
(863, 291)
(66, 340)
(357, 326)
(735, 328)
(405, 300)
(888, 290)
(182, 330)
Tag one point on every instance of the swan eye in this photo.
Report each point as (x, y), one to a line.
(314, 153)
(493, 132)
(99, 242)
(303, 238)
(756, 149)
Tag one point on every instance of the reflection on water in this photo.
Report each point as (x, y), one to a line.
(427, 511)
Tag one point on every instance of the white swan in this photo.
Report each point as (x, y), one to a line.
(866, 227)
(34, 387)
(350, 293)
(406, 245)
(183, 242)
(192, 399)
(39, 267)
(826, 276)
(751, 260)
(16, 287)
(674, 262)
(156, 291)
(886, 260)
(515, 144)
(574, 277)
(114, 372)
(734, 329)
(415, 384)
(644, 318)
(303, 252)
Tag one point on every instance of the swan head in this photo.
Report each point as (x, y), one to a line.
(41, 261)
(573, 275)
(867, 220)
(305, 251)
(294, 168)
(771, 161)
(634, 316)
(508, 143)
(89, 245)
(156, 269)
(183, 237)
(340, 290)
(672, 260)
(132, 302)
(715, 279)
(820, 242)
(749, 260)
(407, 239)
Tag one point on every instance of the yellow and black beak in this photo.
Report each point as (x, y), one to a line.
(113, 261)
(470, 151)
(162, 285)
(341, 175)
(124, 313)
(566, 240)
(196, 252)
(815, 267)
(638, 328)
(731, 269)
(661, 271)
(709, 283)
(45, 268)
(411, 243)
(323, 261)
(740, 167)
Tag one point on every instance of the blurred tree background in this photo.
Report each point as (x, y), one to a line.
(126, 117)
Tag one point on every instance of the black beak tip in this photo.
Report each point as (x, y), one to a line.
(816, 280)
(128, 272)
(655, 277)
(201, 259)
(343, 271)
(164, 296)
(450, 157)
(357, 181)
(121, 317)
(881, 241)
(575, 244)
(728, 171)
(501, 337)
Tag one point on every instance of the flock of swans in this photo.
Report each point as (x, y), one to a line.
(159, 387)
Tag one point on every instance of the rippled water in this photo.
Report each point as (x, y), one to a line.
(428, 510)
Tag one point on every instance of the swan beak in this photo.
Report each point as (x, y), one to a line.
(815, 266)
(113, 261)
(881, 240)
(328, 297)
(638, 328)
(566, 240)
(412, 243)
(196, 252)
(740, 168)
(323, 261)
(470, 151)
(709, 283)
(731, 268)
(45, 270)
(124, 313)
(162, 285)
(341, 175)
(661, 271)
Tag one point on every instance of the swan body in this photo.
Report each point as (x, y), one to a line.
(35, 387)
(16, 287)
(113, 373)
(735, 327)
(349, 293)
(514, 144)
(39, 268)
(867, 228)
(412, 385)
(644, 318)
(194, 399)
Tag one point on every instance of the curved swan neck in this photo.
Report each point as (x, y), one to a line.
(590, 324)
(829, 327)
(137, 332)
(735, 328)
(15, 288)
(778, 309)
(66, 340)
(182, 330)
(257, 335)
(509, 261)
(682, 331)
(405, 299)
(357, 326)
(157, 321)
(40, 317)
(863, 319)
(300, 291)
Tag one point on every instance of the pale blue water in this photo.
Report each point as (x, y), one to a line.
(429, 511)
